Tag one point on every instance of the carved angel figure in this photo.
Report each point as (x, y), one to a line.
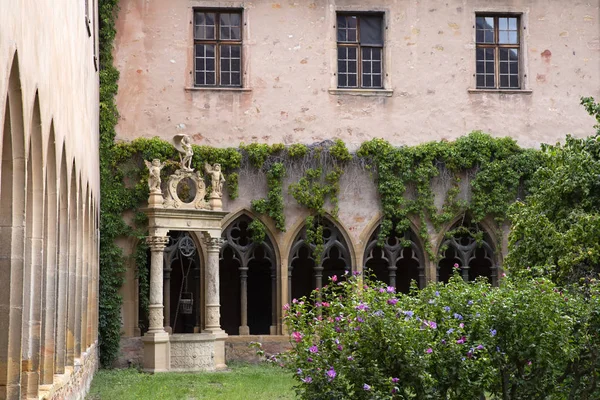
(216, 176)
(154, 168)
(183, 144)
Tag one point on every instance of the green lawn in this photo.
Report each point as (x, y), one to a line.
(241, 381)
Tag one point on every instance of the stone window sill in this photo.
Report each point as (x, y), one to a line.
(363, 92)
(502, 91)
(216, 89)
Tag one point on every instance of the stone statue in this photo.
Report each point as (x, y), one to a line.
(183, 144)
(154, 168)
(217, 178)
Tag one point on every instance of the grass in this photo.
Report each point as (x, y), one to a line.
(241, 381)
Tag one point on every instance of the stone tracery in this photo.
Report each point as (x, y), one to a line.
(398, 262)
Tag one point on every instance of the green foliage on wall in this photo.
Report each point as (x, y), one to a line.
(556, 229)
(111, 203)
(498, 170)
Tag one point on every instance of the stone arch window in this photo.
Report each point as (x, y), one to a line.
(398, 262)
(182, 284)
(248, 278)
(474, 257)
(304, 275)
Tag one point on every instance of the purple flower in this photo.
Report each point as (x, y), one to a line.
(309, 359)
(395, 380)
(355, 273)
(449, 331)
(432, 325)
(392, 301)
(447, 309)
(480, 347)
(470, 302)
(461, 340)
(381, 290)
(409, 314)
(437, 293)
(359, 319)
(331, 374)
(378, 313)
(366, 387)
(443, 341)
(391, 289)
(313, 349)
(339, 347)
(299, 371)
(429, 350)
(308, 379)
(461, 325)
(362, 307)
(458, 316)
(286, 306)
(350, 358)
(493, 332)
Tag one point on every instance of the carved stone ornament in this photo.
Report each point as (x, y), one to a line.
(154, 168)
(157, 243)
(217, 179)
(173, 201)
(183, 144)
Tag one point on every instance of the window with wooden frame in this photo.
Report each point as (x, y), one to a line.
(360, 51)
(498, 52)
(218, 48)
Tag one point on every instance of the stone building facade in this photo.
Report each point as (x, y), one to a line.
(49, 199)
(230, 72)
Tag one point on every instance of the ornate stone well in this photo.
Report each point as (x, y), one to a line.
(184, 208)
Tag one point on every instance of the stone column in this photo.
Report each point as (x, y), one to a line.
(155, 319)
(167, 298)
(156, 340)
(392, 274)
(213, 306)
(244, 329)
(273, 327)
(318, 277)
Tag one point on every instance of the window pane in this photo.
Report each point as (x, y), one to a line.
(352, 66)
(225, 78)
(341, 21)
(342, 80)
(503, 37)
(489, 37)
(490, 81)
(514, 81)
(503, 80)
(480, 67)
(512, 24)
(371, 30)
(377, 81)
(210, 78)
(503, 24)
(480, 81)
(514, 54)
(479, 23)
(352, 81)
(236, 79)
(230, 26)
(489, 23)
(341, 66)
(204, 26)
(503, 67)
(513, 37)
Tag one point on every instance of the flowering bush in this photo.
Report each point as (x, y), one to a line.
(359, 339)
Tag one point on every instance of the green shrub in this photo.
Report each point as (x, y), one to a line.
(526, 339)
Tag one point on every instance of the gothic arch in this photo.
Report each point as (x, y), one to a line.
(12, 229)
(33, 271)
(399, 261)
(304, 274)
(248, 279)
(50, 263)
(474, 257)
(62, 257)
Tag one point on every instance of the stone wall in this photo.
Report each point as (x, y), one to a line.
(76, 382)
(289, 74)
(49, 198)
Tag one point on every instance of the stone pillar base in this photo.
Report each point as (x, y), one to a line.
(273, 330)
(244, 330)
(216, 204)
(156, 352)
(220, 336)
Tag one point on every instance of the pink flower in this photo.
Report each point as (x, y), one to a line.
(297, 336)
(334, 278)
(286, 306)
(456, 266)
(392, 301)
(429, 350)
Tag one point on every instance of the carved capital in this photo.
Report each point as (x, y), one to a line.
(213, 243)
(157, 243)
